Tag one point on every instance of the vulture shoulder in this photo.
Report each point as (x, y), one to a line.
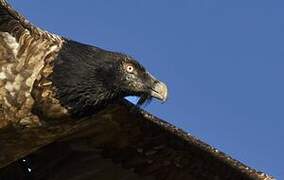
(25, 52)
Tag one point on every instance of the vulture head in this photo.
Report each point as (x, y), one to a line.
(87, 78)
(134, 79)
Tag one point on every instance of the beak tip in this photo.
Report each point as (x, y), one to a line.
(160, 91)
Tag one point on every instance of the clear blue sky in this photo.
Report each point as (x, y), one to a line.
(222, 60)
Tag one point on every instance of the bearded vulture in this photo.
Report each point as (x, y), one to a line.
(63, 115)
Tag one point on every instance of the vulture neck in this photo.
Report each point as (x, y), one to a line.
(77, 76)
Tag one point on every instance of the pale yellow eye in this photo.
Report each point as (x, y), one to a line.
(129, 68)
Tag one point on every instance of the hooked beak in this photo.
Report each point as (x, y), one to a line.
(155, 89)
(159, 91)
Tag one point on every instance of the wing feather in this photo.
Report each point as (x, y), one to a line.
(16, 24)
(25, 50)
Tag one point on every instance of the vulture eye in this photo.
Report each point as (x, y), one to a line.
(129, 68)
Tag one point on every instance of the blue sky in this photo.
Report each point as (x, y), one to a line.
(222, 60)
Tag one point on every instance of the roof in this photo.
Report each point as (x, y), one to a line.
(120, 142)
